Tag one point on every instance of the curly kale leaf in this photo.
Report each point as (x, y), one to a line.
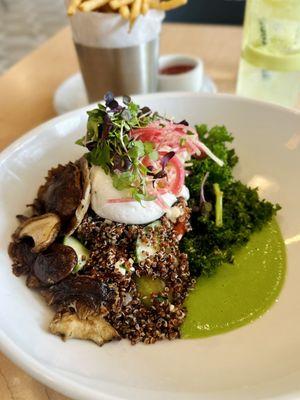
(209, 245)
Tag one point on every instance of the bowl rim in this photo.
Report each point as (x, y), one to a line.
(232, 97)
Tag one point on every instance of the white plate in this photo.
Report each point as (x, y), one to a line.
(71, 94)
(258, 361)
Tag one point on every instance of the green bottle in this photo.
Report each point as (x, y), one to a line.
(270, 61)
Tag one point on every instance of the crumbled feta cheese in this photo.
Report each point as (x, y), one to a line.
(174, 213)
(120, 266)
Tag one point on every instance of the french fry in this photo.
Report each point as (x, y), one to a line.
(124, 12)
(154, 3)
(135, 11)
(116, 4)
(73, 6)
(91, 5)
(145, 7)
(168, 5)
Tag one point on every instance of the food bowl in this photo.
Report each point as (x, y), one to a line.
(257, 361)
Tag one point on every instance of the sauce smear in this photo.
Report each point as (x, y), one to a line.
(176, 69)
(240, 293)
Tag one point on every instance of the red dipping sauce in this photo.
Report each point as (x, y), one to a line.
(176, 69)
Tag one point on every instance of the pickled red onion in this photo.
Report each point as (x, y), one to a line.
(121, 200)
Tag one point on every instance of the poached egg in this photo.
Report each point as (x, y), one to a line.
(133, 212)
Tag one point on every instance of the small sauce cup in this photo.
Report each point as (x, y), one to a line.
(179, 72)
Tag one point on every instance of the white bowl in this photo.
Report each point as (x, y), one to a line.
(258, 361)
(190, 81)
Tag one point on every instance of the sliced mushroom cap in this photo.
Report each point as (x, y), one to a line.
(42, 229)
(22, 257)
(86, 197)
(84, 289)
(62, 192)
(66, 192)
(55, 264)
(93, 327)
(32, 282)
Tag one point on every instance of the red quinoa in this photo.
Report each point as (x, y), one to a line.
(112, 244)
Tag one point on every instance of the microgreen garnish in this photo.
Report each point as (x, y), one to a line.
(183, 122)
(111, 146)
(166, 158)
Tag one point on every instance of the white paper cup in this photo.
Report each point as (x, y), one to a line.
(190, 81)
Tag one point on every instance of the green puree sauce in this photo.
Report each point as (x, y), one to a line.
(238, 294)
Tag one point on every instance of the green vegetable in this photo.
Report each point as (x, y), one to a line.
(147, 286)
(112, 148)
(219, 205)
(210, 243)
(81, 251)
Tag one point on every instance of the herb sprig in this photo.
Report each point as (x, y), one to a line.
(111, 146)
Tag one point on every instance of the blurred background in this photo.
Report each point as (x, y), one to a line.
(24, 24)
(230, 12)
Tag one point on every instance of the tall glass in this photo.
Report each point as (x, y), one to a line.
(270, 62)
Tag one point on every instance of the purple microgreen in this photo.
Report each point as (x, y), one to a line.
(108, 98)
(111, 102)
(114, 106)
(106, 127)
(126, 114)
(121, 163)
(112, 146)
(166, 158)
(160, 175)
(126, 100)
(117, 162)
(127, 163)
(144, 112)
(91, 146)
(183, 122)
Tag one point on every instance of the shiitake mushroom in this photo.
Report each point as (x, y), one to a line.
(84, 289)
(66, 193)
(43, 230)
(55, 264)
(62, 192)
(84, 204)
(23, 258)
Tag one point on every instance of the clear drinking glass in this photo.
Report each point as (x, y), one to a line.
(270, 61)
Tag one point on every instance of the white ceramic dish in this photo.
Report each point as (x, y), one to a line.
(190, 81)
(258, 361)
(71, 94)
